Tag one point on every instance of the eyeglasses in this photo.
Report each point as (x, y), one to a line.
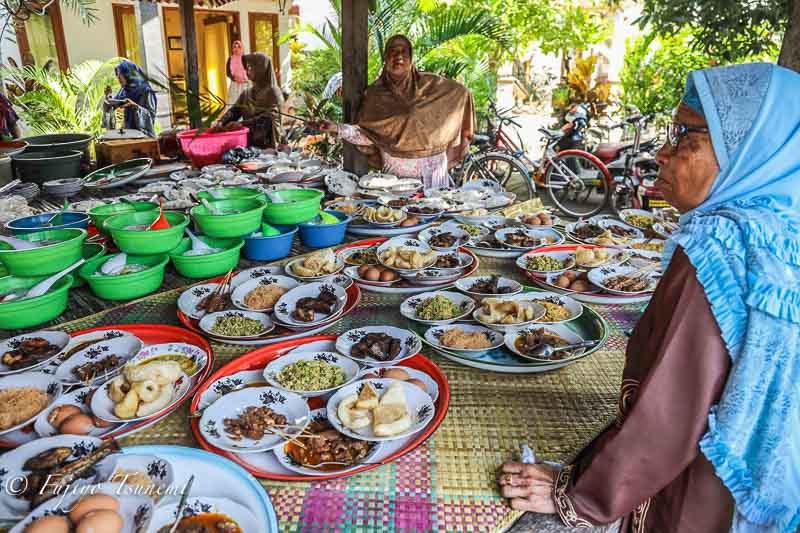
(676, 132)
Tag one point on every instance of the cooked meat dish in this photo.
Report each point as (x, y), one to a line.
(93, 369)
(490, 286)
(28, 353)
(521, 239)
(628, 284)
(588, 231)
(378, 346)
(443, 240)
(328, 445)
(447, 261)
(253, 423)
(306, 307)
(528, 342)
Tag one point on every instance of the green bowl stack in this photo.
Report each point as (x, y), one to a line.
(245, 219)
(126, 286)
(146, 242)
(101, 213)
(232, 193)
(47, 259)
(29, 312)
(209, 265)
(298, 206)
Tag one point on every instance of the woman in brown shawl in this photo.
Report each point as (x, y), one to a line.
(412, 124)
(256, 107)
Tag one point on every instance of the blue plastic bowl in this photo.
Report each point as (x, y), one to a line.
(270, 248)
(31, 224)
(324, 235)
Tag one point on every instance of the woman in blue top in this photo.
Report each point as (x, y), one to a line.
(708, 433)
(136, 97)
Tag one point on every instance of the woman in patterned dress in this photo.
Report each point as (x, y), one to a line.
(707, 438)
(412, 124)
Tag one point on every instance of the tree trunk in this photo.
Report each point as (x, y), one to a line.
(790, 50)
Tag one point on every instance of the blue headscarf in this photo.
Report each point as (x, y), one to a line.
(744, 242)
(137, 89)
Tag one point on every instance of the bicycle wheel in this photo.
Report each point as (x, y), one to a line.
(576, 184)
(507, 170)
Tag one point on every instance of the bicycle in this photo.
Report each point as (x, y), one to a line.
(502, 168)
(581, 184)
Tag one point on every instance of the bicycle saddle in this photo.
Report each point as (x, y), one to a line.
(480, 139)
(551, 134)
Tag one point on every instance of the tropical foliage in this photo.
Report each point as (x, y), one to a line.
(12, 11)
(582, 86)
(61, 102)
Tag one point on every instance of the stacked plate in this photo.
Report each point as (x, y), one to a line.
(29, 191)
(63, 188)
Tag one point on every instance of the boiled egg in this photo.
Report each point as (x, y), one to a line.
(92, 503)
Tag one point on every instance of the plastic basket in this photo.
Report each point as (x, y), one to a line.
(207, 148)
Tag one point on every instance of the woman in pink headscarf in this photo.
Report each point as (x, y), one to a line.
(237, 73)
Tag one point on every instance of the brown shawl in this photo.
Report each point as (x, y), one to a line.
(421, 116)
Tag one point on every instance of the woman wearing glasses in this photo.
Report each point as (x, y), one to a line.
(707, 438)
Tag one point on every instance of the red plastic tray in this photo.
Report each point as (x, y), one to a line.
(259, 358)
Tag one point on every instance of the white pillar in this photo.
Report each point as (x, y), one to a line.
(151, 44)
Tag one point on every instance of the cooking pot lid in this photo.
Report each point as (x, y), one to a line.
(122, 134)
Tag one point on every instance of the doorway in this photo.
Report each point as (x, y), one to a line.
(216, 30)
(41, 39)
(264, 36)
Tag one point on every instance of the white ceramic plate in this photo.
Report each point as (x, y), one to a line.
(405, 243)
(625, 214)
(461, 237)
(124, 348)
(465, 285)
(287, 303)
(103, 405)
(198, 356)
(370, 230)
(342, 183)
(81, 342)
(289, 463)
(58, 339)
(573, 227)
(166, 513)
(254, 273)
(544, 237)
(418, 405)
(433, 336)
(231, 405)
(275, 367)
(352, 272)
(524, 299)
(632, 244)
(191, 297)
(615, 256)
(77, 398)
(160, 471)
(598, 276)
(345, 254)
(207, 323)
(34, 380)
(136, 510)
(289, 268)
(434, 277)
(410, 344)
(567, 260)
(643, 258)
(240, 293)
(554, 221)
(228, 384)
(560, 330)
(463, 302)
(13, 507)
(612, 225)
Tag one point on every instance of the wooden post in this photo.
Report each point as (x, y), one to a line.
(189, 36)
(355, 50)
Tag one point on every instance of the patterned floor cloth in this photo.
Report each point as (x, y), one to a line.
(447, 484)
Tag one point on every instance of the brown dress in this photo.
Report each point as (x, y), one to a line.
(647, 467)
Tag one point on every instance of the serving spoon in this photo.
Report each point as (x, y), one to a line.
(43, 286)
(115, 264)
(198, 246)
(546, 351)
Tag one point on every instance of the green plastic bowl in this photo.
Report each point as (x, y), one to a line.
(91, 250)
(300, 205)
(30, 312)
(101, 213)
(232, 193)
(146, 242)
(47, 259)
(126, 286)
(206, 266)
(226, 226)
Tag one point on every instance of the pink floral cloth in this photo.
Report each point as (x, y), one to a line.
(432, 170)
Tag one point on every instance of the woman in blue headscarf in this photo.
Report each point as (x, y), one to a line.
(708, 433)
(136, 97)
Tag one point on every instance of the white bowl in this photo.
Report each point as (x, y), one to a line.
(567, 260)
(77, 398)
(208, 321)
(103, 405)
(410, 344)
(125, 348)
(404, 242)
(198, 356)
(525, 299)
(287, 303)
(465, 285)
(58, 339)
(165, 514)
(34, 380)
(274, 368)
(543, 237)
(465, 303)
(560, 330)
(462, 237)
(598, 276)
(433, 336)
(240, 293)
